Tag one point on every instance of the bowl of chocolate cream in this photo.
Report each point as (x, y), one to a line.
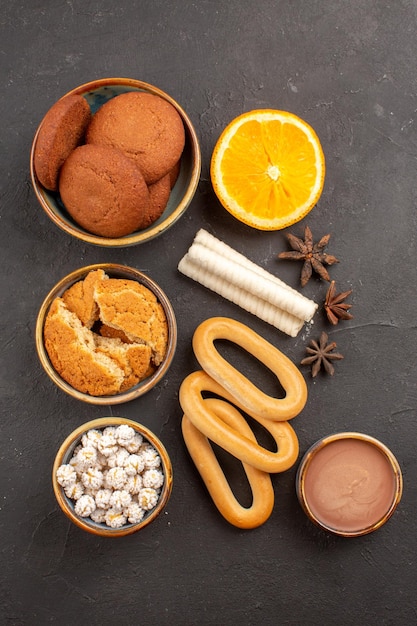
(349, 484)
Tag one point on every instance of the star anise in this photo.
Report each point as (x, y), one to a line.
(334, 305)
(311, 253)
(321, 354)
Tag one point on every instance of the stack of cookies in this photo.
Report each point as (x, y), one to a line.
(114, 170)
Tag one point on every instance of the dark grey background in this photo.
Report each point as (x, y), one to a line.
(349, 69)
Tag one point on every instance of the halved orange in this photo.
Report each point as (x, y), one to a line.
(267, 168)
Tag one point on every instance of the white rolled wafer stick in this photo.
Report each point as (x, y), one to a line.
(259, 285)
(269, 313)
(212, 243)
(220, 247)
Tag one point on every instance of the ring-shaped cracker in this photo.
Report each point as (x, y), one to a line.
(252, 399)
(218, 431)
(208, 466)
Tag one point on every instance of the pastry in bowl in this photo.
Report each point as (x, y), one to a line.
(106, 334)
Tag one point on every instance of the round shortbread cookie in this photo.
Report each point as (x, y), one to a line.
(104, 191)
(118, 298)
(145, 127)
(61, 131)
(159, 194)
(71, 349)
(79, 298)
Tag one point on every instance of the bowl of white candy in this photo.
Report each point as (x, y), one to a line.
(112, 476)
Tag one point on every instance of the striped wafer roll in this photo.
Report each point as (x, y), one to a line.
(220, 247)
(259, 285)
(284, 321)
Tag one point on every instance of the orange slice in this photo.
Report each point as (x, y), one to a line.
(267, 168)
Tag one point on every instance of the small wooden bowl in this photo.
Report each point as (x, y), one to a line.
(64, 455)
(114, 271)
(349, 484)
(96, 93)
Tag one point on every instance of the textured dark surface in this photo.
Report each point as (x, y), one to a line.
(348, 68)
